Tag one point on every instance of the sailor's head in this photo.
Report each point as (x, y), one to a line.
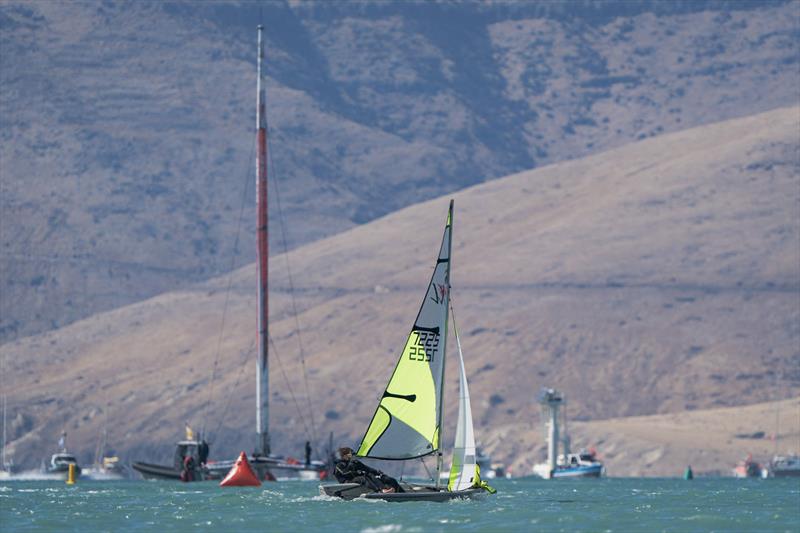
(345, 453)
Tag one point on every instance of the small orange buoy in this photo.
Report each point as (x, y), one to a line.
(241, 475)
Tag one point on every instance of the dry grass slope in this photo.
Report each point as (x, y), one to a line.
(659, 277)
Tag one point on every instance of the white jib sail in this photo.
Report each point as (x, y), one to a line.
(462, 471)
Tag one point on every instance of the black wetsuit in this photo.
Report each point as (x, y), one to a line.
(354, 471)
(202, 452)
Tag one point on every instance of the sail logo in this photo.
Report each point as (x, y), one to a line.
(439, 292)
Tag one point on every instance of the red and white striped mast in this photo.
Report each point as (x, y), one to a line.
(262, 384)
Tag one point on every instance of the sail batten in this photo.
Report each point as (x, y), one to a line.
(407, 421)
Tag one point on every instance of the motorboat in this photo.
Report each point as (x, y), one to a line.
(567, 465)
(59, 464)
(748, 468)
(582, 464)
(784, 466)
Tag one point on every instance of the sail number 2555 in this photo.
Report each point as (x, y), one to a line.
(427, 342)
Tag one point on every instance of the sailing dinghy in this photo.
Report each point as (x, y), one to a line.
(407, 423)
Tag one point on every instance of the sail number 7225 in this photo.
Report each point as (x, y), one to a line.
(424, 349)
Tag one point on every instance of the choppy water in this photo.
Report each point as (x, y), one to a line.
(624, 505)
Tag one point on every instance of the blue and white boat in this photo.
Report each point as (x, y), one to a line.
(566, 465)
(583, 464)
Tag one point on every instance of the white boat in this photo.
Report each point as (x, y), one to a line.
(784, 466)
(59, 464)
(583, 464)
(407, 423)
(60, 461)
(566, 465)
(5, 465)
(781, 465)
(107, 469)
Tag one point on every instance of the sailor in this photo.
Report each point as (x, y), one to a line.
(349, 470)
(187, 474)
(308, 453)
(202, 452)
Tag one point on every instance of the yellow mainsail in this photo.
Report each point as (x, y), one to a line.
(407, 422)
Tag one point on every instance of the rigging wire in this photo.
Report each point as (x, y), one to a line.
(313, 432)
(422, 460)
(288, 385)
(248, 176)
(270, 340)
(245, 357)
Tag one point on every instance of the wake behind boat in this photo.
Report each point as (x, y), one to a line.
(407, 423)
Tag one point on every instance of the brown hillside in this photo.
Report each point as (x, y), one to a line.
(712, 441)
(659, 277)
(127, 126)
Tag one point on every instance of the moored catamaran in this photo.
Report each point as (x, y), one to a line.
(407, 423)
(193, 451)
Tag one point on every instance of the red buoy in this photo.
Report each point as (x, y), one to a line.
(241, 475)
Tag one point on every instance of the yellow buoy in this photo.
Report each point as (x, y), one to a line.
(71, 474)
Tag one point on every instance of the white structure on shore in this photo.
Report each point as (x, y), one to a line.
(583, 464)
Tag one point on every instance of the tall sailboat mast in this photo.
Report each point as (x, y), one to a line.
(262, 384)
(4, 463)
(440, 407)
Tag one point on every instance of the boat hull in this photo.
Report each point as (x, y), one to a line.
(264, 469)
(162, 472)
(569, 472)
(795, 472)
(579, 471)
(270, 468)
(413, 493)
(62, 471)
(785, 466)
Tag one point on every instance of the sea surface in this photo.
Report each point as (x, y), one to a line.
(611, 504)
